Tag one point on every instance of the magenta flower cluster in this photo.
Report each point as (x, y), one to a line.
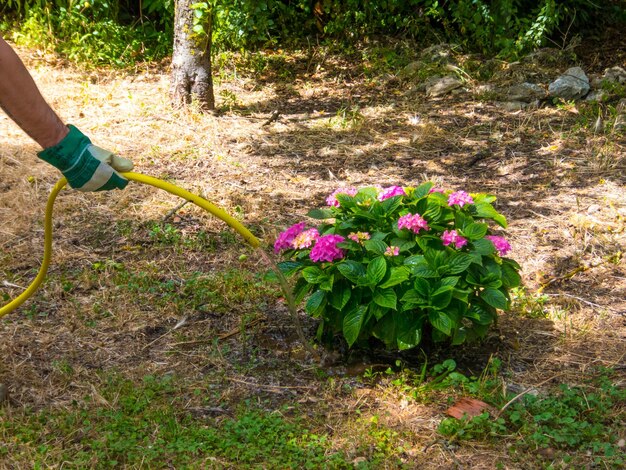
(326, 248)
(391, 191)
(305, 239)
(285, 239)
(413, 222)
(451, 237)
(460, 198)
(332, 199)
(296, 237)
(502, 246)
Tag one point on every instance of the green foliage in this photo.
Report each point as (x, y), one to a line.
(145, 425)
(399, 284)
(96, 32)
(121, 32)
(580, 418)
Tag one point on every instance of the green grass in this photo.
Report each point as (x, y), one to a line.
(146, 425)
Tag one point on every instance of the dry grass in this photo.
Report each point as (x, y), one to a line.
(561, 190)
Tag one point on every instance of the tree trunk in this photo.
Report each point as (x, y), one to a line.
(191, 77)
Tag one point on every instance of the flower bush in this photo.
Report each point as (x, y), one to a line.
(401, 263)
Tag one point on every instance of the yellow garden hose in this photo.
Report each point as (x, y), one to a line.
(157, 183)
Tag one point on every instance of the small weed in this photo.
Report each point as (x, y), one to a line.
(347, 118)
(581, 419)
(529, 304)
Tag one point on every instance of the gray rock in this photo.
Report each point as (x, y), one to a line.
(596, 95)
(615, 75)
(440, 53)
(411, 70)
(572, 85)
(442, 85)
(516, 105)
(524, 92)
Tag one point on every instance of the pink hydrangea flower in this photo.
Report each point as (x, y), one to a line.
(305, 239)
(436, 190)
(452, 237)
(285, 239)
(502, 246)
(460, 198)
(359, 237)
(414, 222)
(392, 251)
(391, 191)
(332, 199)
(326, 248)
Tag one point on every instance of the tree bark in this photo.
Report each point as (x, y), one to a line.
(191, 75)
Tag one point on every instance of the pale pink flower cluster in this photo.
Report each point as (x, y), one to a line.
(391, 191)
(332, 199)
(392, 251)
(459, 198)
(436, 190)
(502, 246)
(285, 239)
(305, 239)
(359, 237)
(452, 237)
(414, 222)
(326, 248)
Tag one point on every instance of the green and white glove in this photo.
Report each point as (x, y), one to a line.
(86, 167)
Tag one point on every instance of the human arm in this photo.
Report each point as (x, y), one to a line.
(86, 167)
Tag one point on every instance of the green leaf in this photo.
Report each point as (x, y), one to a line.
(288, 268)
(353, 322)
(449, 281)
(460, 336)
(352, 270)
(422, 286)
(415, 259)
(385, 298)
(376, 270)
(483, 247)
(495, 298)
(408, 330)
(441, 321)
(316, 303)
(458, 263)
(300, 290)
(375, 246)
(340, 295)
(198, 29)
(422, 190)
(345, 202)
(475, 230)
(404, 245)
(441, 298)
(314, 274)
(378, 311)
(510, 276)
(423, 270)
(327, 284)
(321, 214)
(480, 315)
(397, 276)
(391, 204)
(486, 210)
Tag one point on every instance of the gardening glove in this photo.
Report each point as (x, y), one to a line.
(86, 167)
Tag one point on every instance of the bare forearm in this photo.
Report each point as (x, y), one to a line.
(22, 101)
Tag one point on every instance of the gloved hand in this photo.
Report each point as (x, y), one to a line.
(86, 167)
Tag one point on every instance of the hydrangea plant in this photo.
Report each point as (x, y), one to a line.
(399, 263)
